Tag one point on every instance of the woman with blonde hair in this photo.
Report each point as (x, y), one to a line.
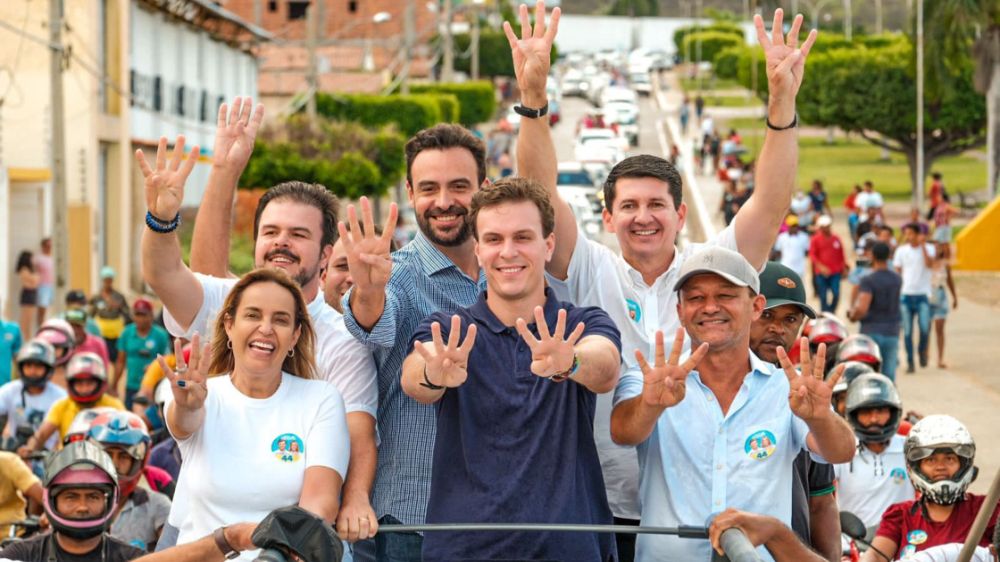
(236, 398)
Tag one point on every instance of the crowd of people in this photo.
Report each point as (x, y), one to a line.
(499, 368)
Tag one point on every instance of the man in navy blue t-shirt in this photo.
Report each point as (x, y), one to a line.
(515, 401)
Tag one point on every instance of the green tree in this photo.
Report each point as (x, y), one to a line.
(494, 53)
(719, 26)
(871, 92)
(954, 29)
(711, 43)
(634, 8)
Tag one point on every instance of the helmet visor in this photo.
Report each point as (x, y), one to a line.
(916, 454)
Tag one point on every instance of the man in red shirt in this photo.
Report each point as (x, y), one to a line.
(826, 253)
(940, 455)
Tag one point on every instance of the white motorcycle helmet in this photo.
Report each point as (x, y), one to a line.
(934, 434)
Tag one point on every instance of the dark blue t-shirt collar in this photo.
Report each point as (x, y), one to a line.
(484, 316)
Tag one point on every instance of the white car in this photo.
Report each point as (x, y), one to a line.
(514, 118)
(580, 201)
(574, 83)
(640, 83)
(600, 144)
(618, 93)
(626, 116)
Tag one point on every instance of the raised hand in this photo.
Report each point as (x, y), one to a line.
(235, 133)
(785, 60)
(367, 254)
(809, 395)
(188, 380)
(447, 365)
(551, 354)
(164, 186)
(532, 52)
(665, 383)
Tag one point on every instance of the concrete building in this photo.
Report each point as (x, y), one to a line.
(360, 44)
(134, 70)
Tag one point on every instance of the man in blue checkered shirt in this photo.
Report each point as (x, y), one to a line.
(437, 271)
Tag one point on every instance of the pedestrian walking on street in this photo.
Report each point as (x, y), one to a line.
(915, 261)
(110, 310)
(45, 268)
(685, 115)
(941, 278)
(699, 107)
(28, 277)
(826, 253)
(877, 307)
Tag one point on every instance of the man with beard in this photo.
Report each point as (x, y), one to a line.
(815, 516)
(294, 230)
(644, 209)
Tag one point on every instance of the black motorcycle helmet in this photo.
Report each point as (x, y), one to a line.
(36, 351)
(873, 390)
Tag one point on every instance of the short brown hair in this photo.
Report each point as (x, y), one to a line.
(303, 362)
(644, 166)
(312, 194)
(513, 190)
(443, 137)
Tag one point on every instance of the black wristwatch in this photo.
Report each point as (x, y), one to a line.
(531, 113)
(223, 545)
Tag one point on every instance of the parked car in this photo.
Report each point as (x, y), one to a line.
(600, 144)
(574, 83)
(640, 83)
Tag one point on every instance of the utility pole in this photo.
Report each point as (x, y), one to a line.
(448, 62)
(848, 23)
(918, 197)
(60, 247)
(408, 30)
(475, 45)
(312, 22)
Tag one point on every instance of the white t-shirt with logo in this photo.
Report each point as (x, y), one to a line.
(598, 276)
(909, 260)
(22, 408)
(793, 250)
(250, 455)
(870, 483)
(340, 359)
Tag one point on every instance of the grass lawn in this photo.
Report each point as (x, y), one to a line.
(849, 161)
(709, 83)
(732, 101)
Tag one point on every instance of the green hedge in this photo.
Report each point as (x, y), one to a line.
(494, 53)
(353, 176)
(720, 27)
(476, 100)
(448, 105)
(726, 63)
(410, 113)
(712, 42)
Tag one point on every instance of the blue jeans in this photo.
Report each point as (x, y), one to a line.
(828, 285)
(919, 306)
(888, 346)
(397, 547)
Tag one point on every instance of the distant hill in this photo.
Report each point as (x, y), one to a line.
(894, 16)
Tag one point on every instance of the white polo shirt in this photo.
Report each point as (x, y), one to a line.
(909, 260)
(699, 462)
(598, 276)
(871, 482)
(340, 359)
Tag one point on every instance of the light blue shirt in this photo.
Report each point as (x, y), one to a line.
(10, 344)
(423, 281)
(699, 462)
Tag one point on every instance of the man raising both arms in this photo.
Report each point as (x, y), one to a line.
(644, 209)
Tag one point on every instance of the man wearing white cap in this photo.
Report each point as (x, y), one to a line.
(826, 252)
(722, 428)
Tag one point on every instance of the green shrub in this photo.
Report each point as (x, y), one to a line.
(353, 176)
(409, 113)
(712, 42)
(476, 100)
(494, 53)
(726, 63)
(721, 27)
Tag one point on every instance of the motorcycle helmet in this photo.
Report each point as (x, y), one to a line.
(80, 426)
(36, 351)
(829, 331)
(80, 465)
(126, 431)
(935, 434)
(60, 335)
(860, 348)
(86, 365)
(873, 390)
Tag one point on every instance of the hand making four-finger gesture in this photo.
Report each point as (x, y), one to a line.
(551, 354)
(188, 379)
(367, 253)
(164, 185)
(447, 364)
(235, 133)
(785, 60)
(532, 52)
(665, 382)
(809, 395)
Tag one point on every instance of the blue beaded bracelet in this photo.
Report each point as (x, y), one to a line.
(157, 225)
